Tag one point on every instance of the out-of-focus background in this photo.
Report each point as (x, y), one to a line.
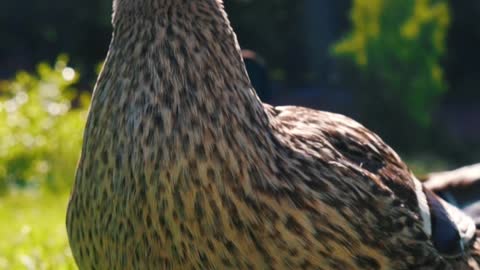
(407, 69)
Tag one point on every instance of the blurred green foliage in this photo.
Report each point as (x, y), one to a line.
(41, 133)
(397, 45)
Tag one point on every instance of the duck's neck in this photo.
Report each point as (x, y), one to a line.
(187, 53)
(181, 60)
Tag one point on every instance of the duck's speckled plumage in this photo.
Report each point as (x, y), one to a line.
(184, 168)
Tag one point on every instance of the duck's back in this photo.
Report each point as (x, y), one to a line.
(337, 198)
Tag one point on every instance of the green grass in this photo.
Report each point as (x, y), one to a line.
(33, 233)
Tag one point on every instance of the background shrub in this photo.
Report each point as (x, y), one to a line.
(40, 131)
(394, 51)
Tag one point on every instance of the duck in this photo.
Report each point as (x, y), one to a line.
(183, 166)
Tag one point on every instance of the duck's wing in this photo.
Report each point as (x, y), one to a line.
(448, 229)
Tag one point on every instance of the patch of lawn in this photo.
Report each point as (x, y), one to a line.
(33, 233)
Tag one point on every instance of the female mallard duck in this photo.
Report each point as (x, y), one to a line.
(184, 168)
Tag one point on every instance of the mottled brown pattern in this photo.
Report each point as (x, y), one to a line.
(184, 168)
